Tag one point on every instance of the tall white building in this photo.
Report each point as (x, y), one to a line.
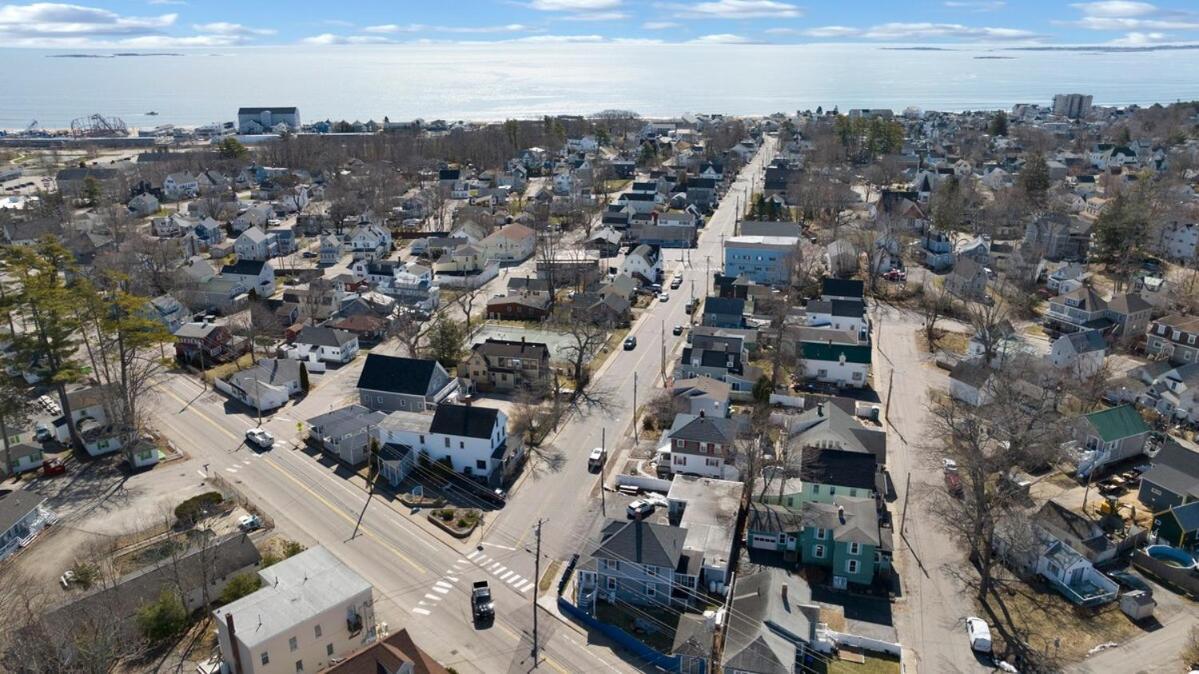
(1074, 106)
(310, 609)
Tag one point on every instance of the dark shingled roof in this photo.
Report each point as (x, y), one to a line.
(464, 420)
(641, 542)
(244, 267)
(15, 506)
(840, 468)
(841, 287)
(394, 374)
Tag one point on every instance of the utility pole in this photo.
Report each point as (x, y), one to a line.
(603, 453)
(536, 579)
(635, 439)
(662, 356)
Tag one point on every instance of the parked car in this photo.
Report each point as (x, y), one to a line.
(896, 275)
(596, 458)
(979, 633)
(260, 437)
(1130, 581)
(676, 283)
(54, 466)
(678, 330)
(630, 343)
(663, 297)
(249, 523)
(640, 508)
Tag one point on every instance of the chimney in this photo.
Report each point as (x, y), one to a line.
(819, 409)
(841, 513)
(784, 592)
(701, 414)
(233, 644)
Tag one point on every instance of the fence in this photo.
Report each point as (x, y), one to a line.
(864, 643)
(473, 281)
(649, 656)
(643, 482)
(787, 401)
(1183, 579)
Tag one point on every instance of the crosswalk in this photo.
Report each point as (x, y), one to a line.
(439, 590)
(232, 469)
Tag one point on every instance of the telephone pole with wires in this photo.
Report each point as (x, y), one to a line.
(537, 581)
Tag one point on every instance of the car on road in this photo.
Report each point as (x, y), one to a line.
(249, 523)
(54, 466)
(640, 508)
(663, 297)
(596, 458)
(1130, 581)
(676, 283)
(260, 437)
(482, 608)
(979, 633)
(309, 254)
(678, 330)
(630, 343)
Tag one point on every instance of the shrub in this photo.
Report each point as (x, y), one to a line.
(197, 507)
(163, 618)
(239, 586)
(86, 574)
(462, 523)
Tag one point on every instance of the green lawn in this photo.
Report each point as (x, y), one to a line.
(875, 664)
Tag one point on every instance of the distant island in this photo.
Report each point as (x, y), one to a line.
(915, 49)
(1100, 49)
(108, 56)
(994, 58)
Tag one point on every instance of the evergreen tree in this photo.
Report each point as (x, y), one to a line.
(999, 124)
(231, 148)
(1034, 180)
(91, 191)
(445, 342)
(304, 385)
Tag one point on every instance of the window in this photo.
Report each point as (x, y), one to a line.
(266, 658)
(611, 583)
(422, 439)
(461, 445)
(650, 590)
(651, 570)
(815, 489)
(851, 566)
(291, 644)
(820, 534)
(299, 665)
(481, 464)
(329, 650)
(317, 630)
(711, 462)
(832, 491)
(857, 376)
(855, 548)
(818, 552)
(447, 442)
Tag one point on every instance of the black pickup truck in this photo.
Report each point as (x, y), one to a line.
(481, 606)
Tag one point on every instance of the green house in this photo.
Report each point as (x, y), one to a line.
(844, 537)
(1178, 526)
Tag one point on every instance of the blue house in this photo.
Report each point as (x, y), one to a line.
(767, 260)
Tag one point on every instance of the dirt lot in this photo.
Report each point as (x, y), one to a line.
(1047, 615)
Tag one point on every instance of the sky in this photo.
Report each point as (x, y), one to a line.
(171, 24)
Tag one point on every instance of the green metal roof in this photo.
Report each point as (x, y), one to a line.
(833, 352)
(1117, 422)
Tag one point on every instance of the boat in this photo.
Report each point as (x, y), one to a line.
(151, 114)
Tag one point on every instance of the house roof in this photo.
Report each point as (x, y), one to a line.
(1186, 515)
(856, 470)
(766, 630)
(733, 306)
(971, 373)
(244, 267)
(253, 235)
(16, 505)
(1086, 341)
(347, 420)
(293, 591)
(464, 420)
(852, 520)
(640, 542)
(769, 518)
(703, 429)
(1129, 303)
(395, 374)
(274, 371)
(321, 336)
(702, 385)
(842, 287)
(386, 656)
(1117, 423)
(828, 425)
(1175, 468)
(833, 352)
(510, 348)
(196, 330)
(841, 308)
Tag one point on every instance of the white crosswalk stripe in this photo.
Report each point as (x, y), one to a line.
(452, 579)
(505, 576)
(526, 587)
(498, 568)
(443, 590)
(421, 611)
(442, 583)
(434, 597)
(514, 579)
(231, 470)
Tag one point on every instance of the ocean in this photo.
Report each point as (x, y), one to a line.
(505, 80)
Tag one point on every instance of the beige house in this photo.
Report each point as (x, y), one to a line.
(510, 243)
(505, 365)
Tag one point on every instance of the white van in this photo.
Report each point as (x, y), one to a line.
(596, 458)
(979, 633)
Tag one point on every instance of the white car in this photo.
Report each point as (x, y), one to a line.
(596, 458)
(640, 508)
(249, 522)
(979, 633)
(260, 437)
(663, 297)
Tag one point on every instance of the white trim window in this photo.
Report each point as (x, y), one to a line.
(818, 551)
(851, 566)
(821, 533)
(855, 548)
(611, 583)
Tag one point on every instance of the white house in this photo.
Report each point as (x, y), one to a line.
(1081, 353)
(331, 249)
(370, 241)
(254, 244)
(180, 185)
(327, 344)
(310, 612)
(644, 263)
(470, 439)
(255, 275)
(835, 358)
(266, 386)
(970, 382)
(510, 243)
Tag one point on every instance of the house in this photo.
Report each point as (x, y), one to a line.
(839, 315)
(1082, 353)
(1066, 278)
(829, 474)
(841, 258)
(167, 310)
(1080, 309)
(721, 357)
(204, 344)
(771, 625)
(376, 272)
(509, 244)
(702, 445)
(255, 244)
(643, 263)
(1176, 337)
(1109, 436)
(1178, 526)
(331, 250)
(345, 432)
(767, 260)
(507, 365)
(833, 425)
(327, 344)
(1062, 547)
(1174, 393)
(469, 439)
(701, 394)
(518, 307)
(369, 329)
(395, 653)
(1130, 312)
(23, 515)
(390, 383)
(181, 185)
(938, 251)
(267, 120)
(209, 231)
(310, 611)
(1173, 480)
(1177, 240)
(255, 274)
(29, 232)
(254, 216)
(971, 383)
(841, 363)
(73, 182)
(143, 205)
(852, 290)
(664, 236)
(22, 457)
(268, 384)
(968, 280)
(370, 241)
(708, 510)
(639, 563)
(724, 312)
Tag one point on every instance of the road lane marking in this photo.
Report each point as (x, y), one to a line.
(513, 579)
(420, 611)
(443, 590)
(231, 470)
(473, 554)
(496, 545)
(528, 585)
(442, 583)
(434, 597)
(505, 576)
(500, 570)
(451, 579)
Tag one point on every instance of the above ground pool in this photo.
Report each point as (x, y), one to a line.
(1172, 556)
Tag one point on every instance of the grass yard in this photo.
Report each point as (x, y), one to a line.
(874, 664)
(664, 623)
(1045, 614)
(226, 369)
(948, 341)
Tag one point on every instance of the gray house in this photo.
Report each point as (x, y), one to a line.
(391, 383)
(637, 562)
(1173, 480)
(22, 516)
(345, 432)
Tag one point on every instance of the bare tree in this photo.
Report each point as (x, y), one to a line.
(465, 300)
(991, 326)
(934, 304)
(586, 336)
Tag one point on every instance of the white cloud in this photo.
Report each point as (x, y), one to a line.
(1139, 39)
(660, 25)
(574, 5)
(833, 31)
(737, 9)
(596, 16)
(331, 39)
(421, 28)
(560, 38)
(1115, 8)
(226, 28)
(54, 20)
(637, 40)
(903, 31)
(721, 38)
(169, 41)
(976, 5)
(166, 2)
